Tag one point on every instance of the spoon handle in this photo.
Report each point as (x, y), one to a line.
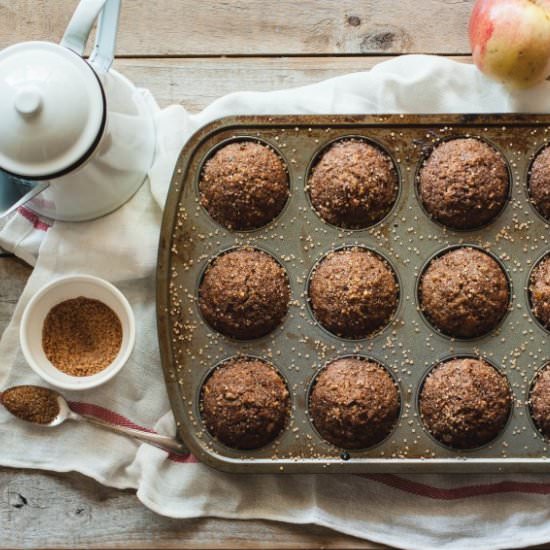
(163, 442)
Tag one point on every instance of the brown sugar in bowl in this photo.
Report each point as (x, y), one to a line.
(56, 292)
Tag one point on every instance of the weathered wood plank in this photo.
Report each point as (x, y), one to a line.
(259, 27)
(197, 82)
(13, 276)
(70, 511)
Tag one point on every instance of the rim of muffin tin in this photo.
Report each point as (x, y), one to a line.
(315, 159)
(347, 453)
(420, 386)
(346, 246)
(426, 152)
(527, 290)
(197, 405)
(527, 179)
(209, 262)
(545, 365)
(438, 254)
(239, 139)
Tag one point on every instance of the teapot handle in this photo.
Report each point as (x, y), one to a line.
(80, 26)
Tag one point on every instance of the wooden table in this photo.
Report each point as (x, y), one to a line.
(191, 52)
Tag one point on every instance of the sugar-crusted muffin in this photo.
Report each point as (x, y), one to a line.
(245, 403)
(244, 185)
(354, 403)
(465, 403)
(353, 185)
(353, 292)
(464, 183)
(464, 293)
(244, 293)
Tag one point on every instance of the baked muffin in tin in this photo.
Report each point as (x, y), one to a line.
(464, 293)
(244, 293)
(354, 403)
(244, 185)
(353, 292)
(245, 403)
(353, 185)
(464, 183)
(465, 402)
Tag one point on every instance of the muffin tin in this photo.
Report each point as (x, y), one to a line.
(298, 238)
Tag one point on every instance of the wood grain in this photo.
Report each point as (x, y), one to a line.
(259, 27)
(71, 511)
(13, 276)
(197, 82)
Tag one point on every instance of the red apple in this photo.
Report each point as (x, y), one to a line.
(510, 40)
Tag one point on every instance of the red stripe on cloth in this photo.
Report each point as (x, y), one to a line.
(119, 420)
(33, 218)
(456, 493)
(107, 415)
(183, 459)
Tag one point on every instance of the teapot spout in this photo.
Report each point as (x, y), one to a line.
(13, 195)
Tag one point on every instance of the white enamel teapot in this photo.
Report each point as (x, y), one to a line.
(76, 137)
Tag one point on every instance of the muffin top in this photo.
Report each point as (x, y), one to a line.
(245, 403)
(354, 403)
(539, 290)
(353, 292)
(464, 293)
(465, 403)
(354, 184)
(539, 183)
(539, 401)
(244, 185)
(464, 183)
(244, 293)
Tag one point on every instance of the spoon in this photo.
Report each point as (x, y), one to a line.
(64, 413)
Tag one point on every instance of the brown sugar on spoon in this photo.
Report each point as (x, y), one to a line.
(81, 336)
(31, 403)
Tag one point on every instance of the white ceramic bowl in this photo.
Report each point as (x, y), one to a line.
(59, 290)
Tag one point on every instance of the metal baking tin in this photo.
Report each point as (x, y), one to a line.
(298, 238)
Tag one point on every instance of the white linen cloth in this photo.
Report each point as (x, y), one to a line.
(408, 512)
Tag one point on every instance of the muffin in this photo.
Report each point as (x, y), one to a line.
(353, 293)
(245, 403)
(354, 403)
(244, 294)
(244, 185)
(465, 403)
(539, 401)
(464, 293)
(539, 292)
(464, 183)
(539, 183)
(354, 184)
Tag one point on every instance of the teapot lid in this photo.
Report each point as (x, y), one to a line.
(52, 110)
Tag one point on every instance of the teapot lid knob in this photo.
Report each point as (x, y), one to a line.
(28, 101)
